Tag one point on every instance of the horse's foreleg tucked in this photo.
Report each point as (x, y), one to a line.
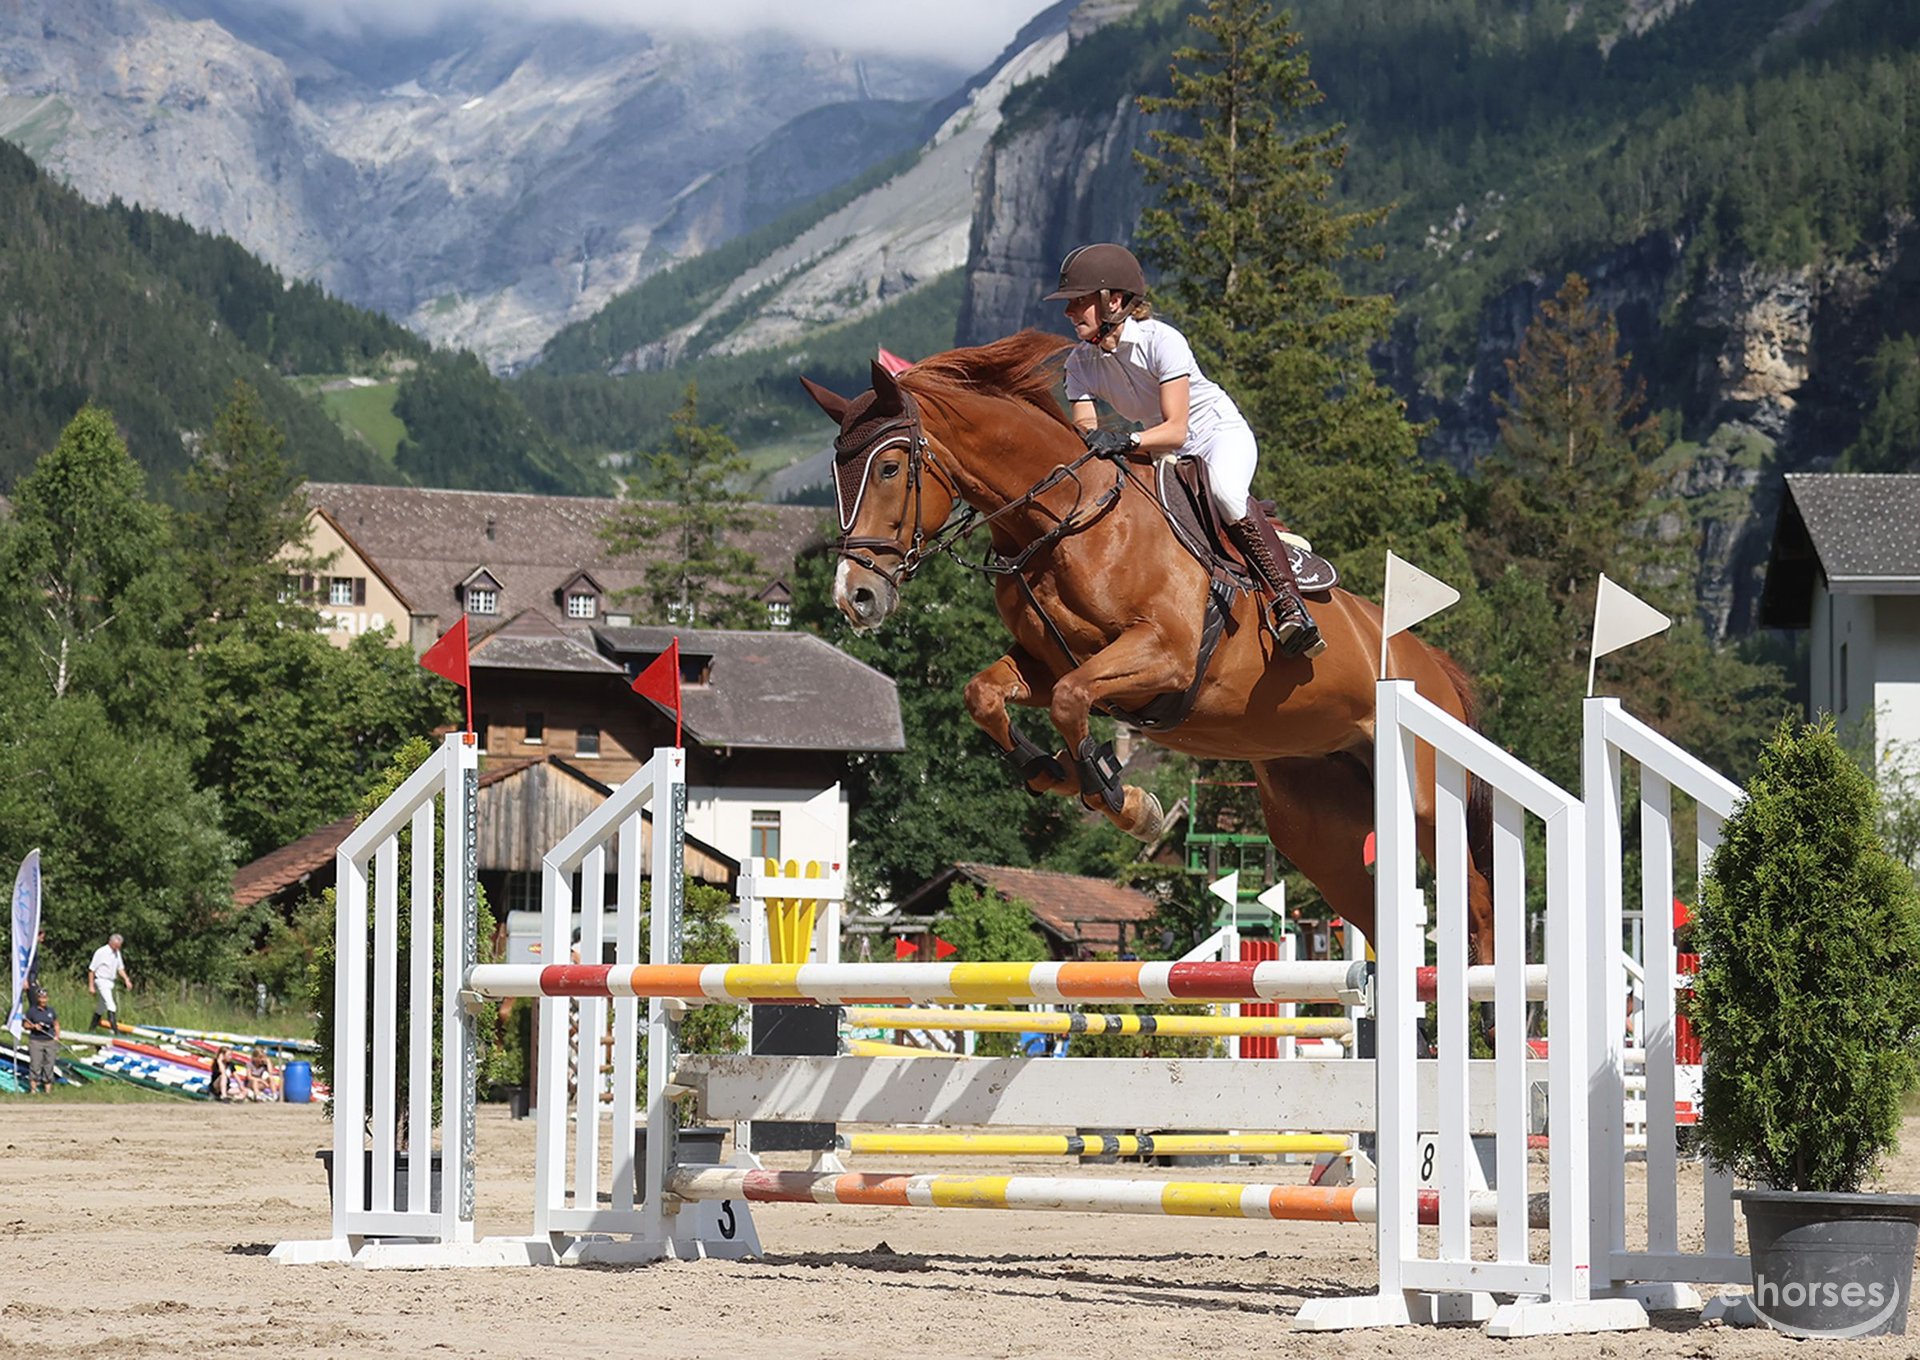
(1136, 667)
(987, 697)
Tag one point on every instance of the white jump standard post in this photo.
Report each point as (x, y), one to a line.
(369, 1228)
(636, 1224)
(1456, 1285)
(1661, 1275)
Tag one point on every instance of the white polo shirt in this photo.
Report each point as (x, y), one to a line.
(106, 963)
(1149, 354)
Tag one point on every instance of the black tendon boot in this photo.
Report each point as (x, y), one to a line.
(1293, 628)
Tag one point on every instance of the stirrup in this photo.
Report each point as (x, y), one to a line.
(1294, 630)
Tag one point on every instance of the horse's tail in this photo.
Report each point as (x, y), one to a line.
(1479, 794)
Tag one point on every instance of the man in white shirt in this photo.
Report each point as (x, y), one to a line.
(107, 965)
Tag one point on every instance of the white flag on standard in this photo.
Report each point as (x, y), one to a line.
(1620, 619)
(1411, 595)
(1227, 888)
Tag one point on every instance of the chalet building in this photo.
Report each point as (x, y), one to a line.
(416, 559)
(1845, 566)
(772, 719)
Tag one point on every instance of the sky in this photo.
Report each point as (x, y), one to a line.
(966, 32)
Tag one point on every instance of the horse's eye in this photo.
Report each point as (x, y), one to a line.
(888, 471)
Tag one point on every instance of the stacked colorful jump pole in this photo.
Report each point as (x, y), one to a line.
(1053, 1194)
(1090, 1144)
(1054, 1022)
(977, 983)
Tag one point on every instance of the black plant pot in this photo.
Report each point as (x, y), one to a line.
(1831, 1264)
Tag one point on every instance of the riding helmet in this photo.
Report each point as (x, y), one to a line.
(1097, 268)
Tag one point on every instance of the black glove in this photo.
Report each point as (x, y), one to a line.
(1108, 443)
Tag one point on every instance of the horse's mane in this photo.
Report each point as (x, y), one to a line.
(1021, 367)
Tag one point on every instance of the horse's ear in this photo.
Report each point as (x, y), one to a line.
(887, 390)
(832, 403)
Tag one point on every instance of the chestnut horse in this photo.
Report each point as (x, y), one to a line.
(1106, 609)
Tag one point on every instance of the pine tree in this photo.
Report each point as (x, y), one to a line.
(1249, 249)
(700, 575)
(1571, 491)
(244, 506)
(1574, 470)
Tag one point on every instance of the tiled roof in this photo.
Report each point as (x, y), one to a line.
(780, 690)
(289, 864)
(1084, 911)
(1866, 528)
(530, 641)
(1858, 531)
(426, 541)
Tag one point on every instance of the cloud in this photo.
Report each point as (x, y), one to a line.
(966, 34)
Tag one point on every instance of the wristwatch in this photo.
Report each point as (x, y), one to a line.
(1133, 439)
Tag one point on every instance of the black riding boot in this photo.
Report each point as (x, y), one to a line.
(1293, 628)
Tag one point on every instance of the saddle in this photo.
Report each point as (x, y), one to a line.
(1185, 495)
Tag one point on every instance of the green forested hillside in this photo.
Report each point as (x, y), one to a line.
(139, 312)
(756, 397)
(1518, 138)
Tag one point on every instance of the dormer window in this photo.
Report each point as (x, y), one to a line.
(480, 592)
(778, 599)
(579, 598)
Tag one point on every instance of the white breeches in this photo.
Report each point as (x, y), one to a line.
(1230, 453)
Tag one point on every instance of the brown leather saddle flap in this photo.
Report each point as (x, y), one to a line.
(1186, 496)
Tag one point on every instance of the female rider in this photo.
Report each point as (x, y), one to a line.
(1145, 370)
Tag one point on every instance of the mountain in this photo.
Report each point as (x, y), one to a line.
(868, 244)
(484, 182)
(155, 321)
(1736, 178)
(139, 312)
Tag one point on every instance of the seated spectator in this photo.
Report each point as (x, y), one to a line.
(262, 1082)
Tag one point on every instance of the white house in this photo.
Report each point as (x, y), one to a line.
(1845, 565)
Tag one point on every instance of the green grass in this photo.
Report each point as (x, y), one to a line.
(368, 412)
(188, 1008)
(766, 459)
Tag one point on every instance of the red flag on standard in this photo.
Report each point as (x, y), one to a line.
(448, 658)
(903, 949)
(941, 949)
(660, 682)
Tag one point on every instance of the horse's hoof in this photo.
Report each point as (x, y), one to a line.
(1149, 821)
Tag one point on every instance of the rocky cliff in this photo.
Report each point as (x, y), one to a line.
(892, 240)
(485, 182)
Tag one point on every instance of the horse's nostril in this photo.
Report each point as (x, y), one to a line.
(863, 598)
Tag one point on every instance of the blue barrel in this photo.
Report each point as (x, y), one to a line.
(296, 1082)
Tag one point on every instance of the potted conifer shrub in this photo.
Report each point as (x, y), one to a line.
(1807, 1004)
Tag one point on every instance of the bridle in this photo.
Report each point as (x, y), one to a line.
(859, 447)
(901, 430)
